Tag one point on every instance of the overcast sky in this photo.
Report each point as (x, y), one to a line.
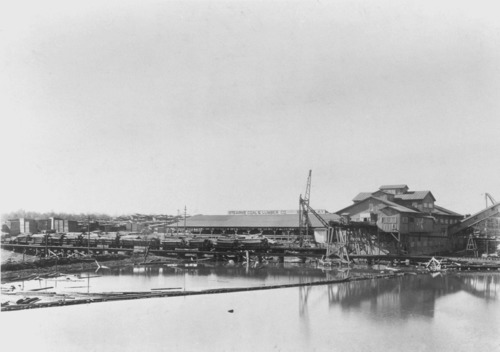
(147, 106)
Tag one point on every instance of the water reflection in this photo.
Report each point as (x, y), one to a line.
(267, 271)
(482, 285)
(404, 296)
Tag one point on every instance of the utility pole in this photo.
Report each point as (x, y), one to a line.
(185, 219)
(177, 223)
(165, 226)
(46, 244)
(88, 235)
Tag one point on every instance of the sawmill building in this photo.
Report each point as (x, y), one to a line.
(412, 217)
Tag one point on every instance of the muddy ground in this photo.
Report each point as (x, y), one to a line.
(17, 270)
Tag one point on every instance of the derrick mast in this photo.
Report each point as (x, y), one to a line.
(336, 238)
(304, 222)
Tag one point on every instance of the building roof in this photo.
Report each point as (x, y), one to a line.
(407, 196)
(362, 196)
(416, 195)
(443, 211)
(393, 205)
(393, 187)
(398, 207)
(249, 221)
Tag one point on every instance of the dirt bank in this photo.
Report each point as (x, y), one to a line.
(14, 271)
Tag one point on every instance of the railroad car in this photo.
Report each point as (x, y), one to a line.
(226, 244)
(254, 244)
(130, 241)
(89, 240)
(39, 238)
(173, 243)
(201, 244)
(22, 239)
(55, 239)
(73, 239)
(241, 243)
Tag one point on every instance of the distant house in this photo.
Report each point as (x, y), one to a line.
(63, 226)
(21, 225)
(14, 226)
(44, 224)
(134, 226)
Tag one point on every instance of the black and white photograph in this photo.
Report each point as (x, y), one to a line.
(250, 175)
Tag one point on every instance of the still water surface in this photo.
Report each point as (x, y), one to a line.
(453, 312)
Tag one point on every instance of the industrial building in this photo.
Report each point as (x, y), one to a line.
(416, 223)
(63, 226)
(392, 219)
(31, 226)
(279, 224)
(21, 225)
(414, 219)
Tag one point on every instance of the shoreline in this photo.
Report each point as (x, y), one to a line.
(38, 268)
(43, 269)
(18, 271)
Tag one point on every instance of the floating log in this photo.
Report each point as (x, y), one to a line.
(32, 300)
(392, 269)
(43, 288)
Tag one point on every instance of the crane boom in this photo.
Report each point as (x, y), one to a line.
(323, 221)
(492, 200)
(308, 188)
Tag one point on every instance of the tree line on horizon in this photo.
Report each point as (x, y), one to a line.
(21, 213)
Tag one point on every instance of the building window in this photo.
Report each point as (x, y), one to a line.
(404, 220)
(389, 220)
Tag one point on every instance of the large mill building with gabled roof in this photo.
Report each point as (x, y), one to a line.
(414, 219)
